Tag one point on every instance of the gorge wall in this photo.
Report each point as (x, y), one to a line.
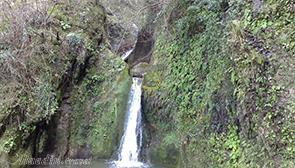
(63, 91)
(220, 88)
(218, 80)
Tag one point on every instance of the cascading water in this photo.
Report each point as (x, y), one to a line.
(131, 141)
(135, 34)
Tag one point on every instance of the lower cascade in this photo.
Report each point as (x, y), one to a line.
(131, 141)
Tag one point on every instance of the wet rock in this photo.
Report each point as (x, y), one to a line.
(143, 48)
(82, 152)
(139, 70)
(122, 38)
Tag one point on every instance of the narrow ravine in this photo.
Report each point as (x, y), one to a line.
(131, 141)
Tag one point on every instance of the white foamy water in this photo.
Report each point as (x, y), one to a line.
(126, 55)
(131, 141)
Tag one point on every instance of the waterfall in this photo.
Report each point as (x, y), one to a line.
(126, 55)
(135, 34)
(131, 141)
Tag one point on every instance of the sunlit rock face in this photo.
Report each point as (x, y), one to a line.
(125, 19)
(122, 39)
(129, 23)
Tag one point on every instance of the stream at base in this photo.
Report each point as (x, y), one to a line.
(98, 164)
(107, 164)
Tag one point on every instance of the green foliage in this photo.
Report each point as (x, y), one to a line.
(65, 25)
(226, 148)
(99, 105)
(45, 99)
(8, 145)
(221, 84)
(57, 46)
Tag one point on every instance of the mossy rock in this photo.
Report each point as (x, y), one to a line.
(99, 108)
(166, 154)
(140, 69)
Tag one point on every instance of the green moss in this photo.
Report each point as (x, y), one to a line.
(220, 88)
(98, 96)
(99, 106)
(166, 151)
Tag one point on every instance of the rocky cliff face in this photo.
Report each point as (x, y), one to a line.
(218, 80)
(64, 91)
(218, 92)
(63, 84)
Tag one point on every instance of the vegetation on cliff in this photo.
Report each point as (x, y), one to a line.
(62, 90)
(218, 85)
(220, 92)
